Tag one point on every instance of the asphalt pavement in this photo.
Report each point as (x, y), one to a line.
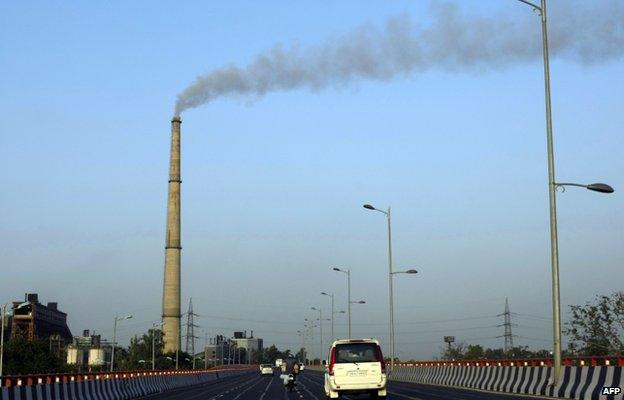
(253, 386)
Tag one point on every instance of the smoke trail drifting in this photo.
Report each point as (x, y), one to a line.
(453, 41)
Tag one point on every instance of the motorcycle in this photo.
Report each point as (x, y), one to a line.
(290, 384)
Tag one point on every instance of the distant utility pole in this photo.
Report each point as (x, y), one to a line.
(2, 313)
(507, 324)
(190, 331)
(205, 350)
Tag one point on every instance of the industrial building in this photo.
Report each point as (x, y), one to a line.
(250, 345)
(89, 350)
(236, 350)
(33, 320)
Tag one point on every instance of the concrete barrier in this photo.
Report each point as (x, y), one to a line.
(583, 383)
(107, 386)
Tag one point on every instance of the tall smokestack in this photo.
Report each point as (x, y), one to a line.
(173, 248)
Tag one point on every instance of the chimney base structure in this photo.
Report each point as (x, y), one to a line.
(173, 248)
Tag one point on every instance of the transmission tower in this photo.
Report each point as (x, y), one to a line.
(190, 331)
(508, 335)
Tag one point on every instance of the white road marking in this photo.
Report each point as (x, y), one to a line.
(244, 391)
(265, 389)
(306, 389)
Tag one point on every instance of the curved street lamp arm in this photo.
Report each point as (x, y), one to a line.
(596, 187)
(341, 270)
(369, 207)
(562, 184)
(535, 6)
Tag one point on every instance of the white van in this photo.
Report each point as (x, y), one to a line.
(355, 366)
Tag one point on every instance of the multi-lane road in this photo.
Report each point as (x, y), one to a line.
(253, 386)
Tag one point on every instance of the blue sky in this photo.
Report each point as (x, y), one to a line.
(273, 186)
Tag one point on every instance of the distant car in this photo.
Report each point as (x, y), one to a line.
(278, 362)
(301, 366)
(355, 366)
(266, 369)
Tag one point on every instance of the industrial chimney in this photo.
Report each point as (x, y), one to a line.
(173, 248)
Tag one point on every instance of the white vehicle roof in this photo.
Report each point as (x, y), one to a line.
(347, 341)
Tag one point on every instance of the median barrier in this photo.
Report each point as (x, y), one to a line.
(107, 386)
(579, 380)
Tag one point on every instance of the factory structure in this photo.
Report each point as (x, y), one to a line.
(89, 351)
(33, 320)
(248, 345)
(173, 248)
(239, 349)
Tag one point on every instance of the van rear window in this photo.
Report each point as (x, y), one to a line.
(356, 352)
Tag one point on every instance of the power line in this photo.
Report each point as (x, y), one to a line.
(532, 338)
(221, 317)
(530, 316)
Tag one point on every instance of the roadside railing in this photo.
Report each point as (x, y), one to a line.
(583, 361)
(46, 379)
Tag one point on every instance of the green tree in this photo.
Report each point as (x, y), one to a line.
(301, 354)
(138, 355)
(455, 352)
(23, 357)
(596, 327)
(494, 354)
(542, 354)
(474, 352)
(270, 354)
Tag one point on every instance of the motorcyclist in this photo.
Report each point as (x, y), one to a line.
(290, 366)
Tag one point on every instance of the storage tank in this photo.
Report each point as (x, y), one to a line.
(96, 357)
(74, 356)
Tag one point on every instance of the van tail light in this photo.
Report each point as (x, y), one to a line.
(380, 358)
(332, 360)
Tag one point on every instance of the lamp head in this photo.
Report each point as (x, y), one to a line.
(368, 206)
(600, 187)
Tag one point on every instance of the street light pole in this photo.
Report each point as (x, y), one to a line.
(320, 331)
(554, 246)
(390, 289)
(390, 286)
(205, 351)
(309, 331)
(349, 297)
(2, 314)
(552, 195)
(332, 311)
(348, 272)
(112, 365)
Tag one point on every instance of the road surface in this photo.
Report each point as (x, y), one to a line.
(253, 386)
